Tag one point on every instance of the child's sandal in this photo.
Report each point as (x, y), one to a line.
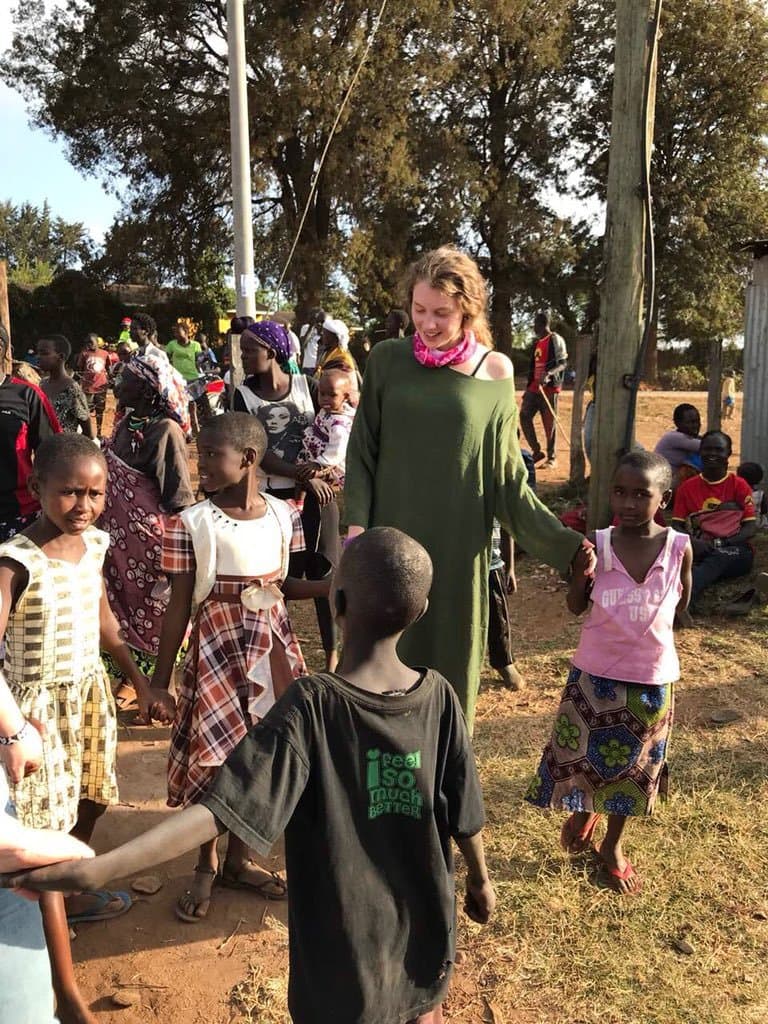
(200, 905)
(569, 835)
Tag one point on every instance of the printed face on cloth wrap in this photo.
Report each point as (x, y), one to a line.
(274, 336)
(460, 353)
(167, 383)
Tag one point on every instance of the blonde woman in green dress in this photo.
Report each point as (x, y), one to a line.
(434, 452)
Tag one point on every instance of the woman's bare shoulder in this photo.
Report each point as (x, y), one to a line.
(497, 366)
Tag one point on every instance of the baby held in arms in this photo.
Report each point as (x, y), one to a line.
(324, 451)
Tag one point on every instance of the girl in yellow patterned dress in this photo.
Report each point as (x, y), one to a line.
(55, 617)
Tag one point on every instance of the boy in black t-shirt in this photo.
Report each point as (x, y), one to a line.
(370, 772)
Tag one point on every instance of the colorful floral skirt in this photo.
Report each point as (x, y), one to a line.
(607, 752)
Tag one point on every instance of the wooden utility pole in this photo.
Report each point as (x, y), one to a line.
(621, 301)
(754, 416)
(5, 313)
(715, 378)
(583, 348)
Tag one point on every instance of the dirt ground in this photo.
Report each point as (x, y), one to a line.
(232, 966)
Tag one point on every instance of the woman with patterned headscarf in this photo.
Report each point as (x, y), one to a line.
(148, 480)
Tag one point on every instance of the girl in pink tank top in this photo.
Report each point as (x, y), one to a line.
(607, 751)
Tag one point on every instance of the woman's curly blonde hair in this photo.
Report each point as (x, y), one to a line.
(456, 274)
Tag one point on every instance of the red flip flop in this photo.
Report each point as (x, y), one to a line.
(568, 836)
(615, 876)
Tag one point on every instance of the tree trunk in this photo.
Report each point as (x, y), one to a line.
(714, 374)
(5, 314)
(582, 347)
(501, 309)
(623, 280)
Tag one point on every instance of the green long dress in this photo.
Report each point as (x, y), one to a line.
(435, 454)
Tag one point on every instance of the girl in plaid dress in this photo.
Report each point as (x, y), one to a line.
(227, 559)
(55, 617)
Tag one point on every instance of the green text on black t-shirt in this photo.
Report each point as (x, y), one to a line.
(391, 783)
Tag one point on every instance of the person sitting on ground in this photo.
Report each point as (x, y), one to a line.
(324, 450)
(545, 381)
(370, 773)
(680, 447)
(64, 393)
(716, 508)
(752, 472)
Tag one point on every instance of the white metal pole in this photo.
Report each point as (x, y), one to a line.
(241, 161)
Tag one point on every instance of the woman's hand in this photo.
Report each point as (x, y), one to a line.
(25, 756)
(22, 847)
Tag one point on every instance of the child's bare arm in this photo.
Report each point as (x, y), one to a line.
(508, 557)
(582, 569)
(13, 581)
(174, 627)
(480, 899)
(151, 703)
(295, 589)
(176, 835)
(686, 578)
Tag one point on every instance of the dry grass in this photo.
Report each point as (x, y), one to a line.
(562, 950)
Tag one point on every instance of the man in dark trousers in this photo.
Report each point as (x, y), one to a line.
(545, 381)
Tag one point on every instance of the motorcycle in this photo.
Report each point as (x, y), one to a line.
(207, 392)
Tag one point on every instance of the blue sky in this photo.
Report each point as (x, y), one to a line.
(34, 166)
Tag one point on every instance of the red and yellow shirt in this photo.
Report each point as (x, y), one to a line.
(699, 495)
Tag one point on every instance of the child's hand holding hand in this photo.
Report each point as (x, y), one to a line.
(480, 900)
(306, 471)
(154, 703)
(322, 491)
(585, 561)
(162, 706)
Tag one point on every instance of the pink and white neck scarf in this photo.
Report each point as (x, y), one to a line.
(460, 353)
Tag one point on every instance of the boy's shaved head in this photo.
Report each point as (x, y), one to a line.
(241, 430)
(384, 577)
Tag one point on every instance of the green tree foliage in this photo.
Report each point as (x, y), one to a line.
(503, 109)
(708, 166)
(140, 87)
(37, 246)
(467, 121)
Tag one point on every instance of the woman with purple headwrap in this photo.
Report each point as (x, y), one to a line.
(286, 403)
(148, 480)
